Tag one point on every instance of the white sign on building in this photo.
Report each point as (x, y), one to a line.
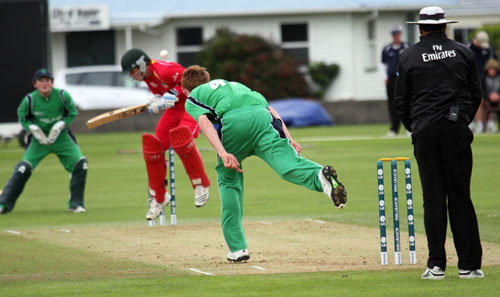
(79, 18)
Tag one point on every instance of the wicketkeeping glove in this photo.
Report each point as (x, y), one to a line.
(38, 134)
(55, 131)
(159, 103)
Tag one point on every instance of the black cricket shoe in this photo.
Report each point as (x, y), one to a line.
(332, 187)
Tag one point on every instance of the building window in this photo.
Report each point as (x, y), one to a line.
(189, 42)
(295, 41)
(187, 59)
(189, 36)
(371, 54)
(293, 32)
(462, 34)
(410, 28)
(90, 48)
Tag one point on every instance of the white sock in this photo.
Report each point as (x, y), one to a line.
(492, 126)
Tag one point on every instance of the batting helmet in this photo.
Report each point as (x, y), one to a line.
(135, 58)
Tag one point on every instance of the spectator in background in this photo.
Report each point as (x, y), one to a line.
(484, 51)
(390, 56)
(491, 94)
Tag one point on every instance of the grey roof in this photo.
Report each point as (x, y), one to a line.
(134, 12)
(475, 7)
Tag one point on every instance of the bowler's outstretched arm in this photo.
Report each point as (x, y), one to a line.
(210, 133)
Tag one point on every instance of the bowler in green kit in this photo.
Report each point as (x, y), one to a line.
(248, 126)
(46, 113)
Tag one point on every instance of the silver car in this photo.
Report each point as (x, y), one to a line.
(101, 87)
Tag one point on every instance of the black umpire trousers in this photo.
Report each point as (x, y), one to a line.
(444, 158)
(395, 120)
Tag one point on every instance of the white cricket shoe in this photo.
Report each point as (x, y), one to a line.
(238, 256)
(434, 273)
(200, 195)
(391, 134)
(476, 273)
(78, 209)
(155, 208)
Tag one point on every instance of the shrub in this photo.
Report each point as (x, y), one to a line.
(255, 62)
(323, 75)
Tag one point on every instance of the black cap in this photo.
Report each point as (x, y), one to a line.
(42, 73)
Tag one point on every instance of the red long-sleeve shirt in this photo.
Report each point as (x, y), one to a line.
(166, 78)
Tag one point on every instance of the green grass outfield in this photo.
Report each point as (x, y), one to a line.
(115, 196)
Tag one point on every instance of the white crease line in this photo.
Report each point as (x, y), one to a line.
(266, 223)
(335, 138)
(199, 271)
(14, 232)
(65, 230)
(11, 151)
(347, 138)
(316, 221)
(258, 267)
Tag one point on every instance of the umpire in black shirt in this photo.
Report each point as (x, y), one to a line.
(437, 94)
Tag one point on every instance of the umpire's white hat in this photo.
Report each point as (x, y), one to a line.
(432, 15)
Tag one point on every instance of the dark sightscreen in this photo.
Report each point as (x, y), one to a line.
(23, 50)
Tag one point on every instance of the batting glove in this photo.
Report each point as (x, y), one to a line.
(38, 134)
(55, 131)
(159, 103)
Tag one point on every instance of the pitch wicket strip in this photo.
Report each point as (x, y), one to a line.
(395, 201)
(173, 208)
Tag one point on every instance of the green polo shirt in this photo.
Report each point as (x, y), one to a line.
(47, 111)
(220, 96)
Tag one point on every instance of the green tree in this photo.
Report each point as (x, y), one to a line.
(323, 75)
(255, 62)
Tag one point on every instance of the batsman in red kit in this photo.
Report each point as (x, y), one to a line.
(176, 128)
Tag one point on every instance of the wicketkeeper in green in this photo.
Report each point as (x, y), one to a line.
(46, 113)
(248, 126)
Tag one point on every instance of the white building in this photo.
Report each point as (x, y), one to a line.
(349, 33)
(472, 14)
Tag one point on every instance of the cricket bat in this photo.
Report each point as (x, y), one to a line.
(115, 115)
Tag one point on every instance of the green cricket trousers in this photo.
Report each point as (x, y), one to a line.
(69, 155)
(64, 147)
(254, 131)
